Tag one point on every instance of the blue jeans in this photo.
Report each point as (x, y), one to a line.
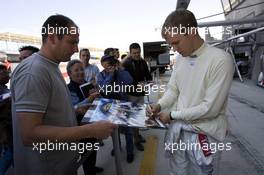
(6, 159)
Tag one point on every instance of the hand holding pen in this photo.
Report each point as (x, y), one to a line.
(152, 110)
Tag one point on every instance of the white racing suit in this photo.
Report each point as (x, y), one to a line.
(182, 143)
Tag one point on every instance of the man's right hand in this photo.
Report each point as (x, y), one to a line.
(102, 129)
(152, 110)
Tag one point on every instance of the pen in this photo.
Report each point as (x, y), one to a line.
(149, 108)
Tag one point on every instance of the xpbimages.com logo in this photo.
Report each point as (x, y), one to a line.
(64, 146)
(182, 30)
(175, 30)
(59, 30)
(140, 88)
(182, 146)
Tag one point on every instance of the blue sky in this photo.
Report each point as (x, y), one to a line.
(103, 23)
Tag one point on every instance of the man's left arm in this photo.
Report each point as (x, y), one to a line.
(218, 87)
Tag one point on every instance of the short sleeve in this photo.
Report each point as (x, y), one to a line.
(31, 93)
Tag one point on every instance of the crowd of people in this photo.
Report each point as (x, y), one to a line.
(42, 107)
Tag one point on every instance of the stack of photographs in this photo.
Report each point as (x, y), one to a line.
(122, 113)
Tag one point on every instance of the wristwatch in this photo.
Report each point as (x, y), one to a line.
(171, 117)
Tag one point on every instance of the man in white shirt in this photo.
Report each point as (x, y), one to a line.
(196, 96)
